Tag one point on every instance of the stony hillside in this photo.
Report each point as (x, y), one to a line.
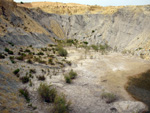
(126, 29)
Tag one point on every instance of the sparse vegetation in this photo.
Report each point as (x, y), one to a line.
(9, 51)
(16, 71)
(67, 79)
(50, 61)
(40, 53)
(24, 92)
(29, 61)
(61, 105)
(12, 59)
(42, 78)
(25, 79)
(94, 47)
(72, 74)
(32, 71)
(109, 97)
(47, 93)
(62, 51)
(2, 56)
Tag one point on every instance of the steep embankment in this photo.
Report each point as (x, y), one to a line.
(126, 29)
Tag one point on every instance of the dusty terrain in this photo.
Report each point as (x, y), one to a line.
(109, 45)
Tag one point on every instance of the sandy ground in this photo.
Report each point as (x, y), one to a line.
(97, 74)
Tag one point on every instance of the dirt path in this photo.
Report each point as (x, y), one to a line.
(97, 74)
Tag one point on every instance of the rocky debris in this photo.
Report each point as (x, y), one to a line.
(130, 107)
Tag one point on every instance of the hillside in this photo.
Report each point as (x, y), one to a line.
(70, 8)
(98, 48)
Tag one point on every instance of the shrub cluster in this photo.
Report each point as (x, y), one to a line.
(9, 51)
(24, 92)
(109, 97)
(71, 75)
(25, 79)
(47, 93)
(16, 71)
(62, 51)
(2, 56)
(50, 95)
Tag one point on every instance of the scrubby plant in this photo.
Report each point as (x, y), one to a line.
(67, 79)
(50, 61)
(42, 78)
(11, 43)
(27, 50)
(2, 56)
(69, 63)
(25, 79)
(109, 97)
(30, 83)
(40, 53)
(61, 105)
(86, 43)
(47, 93)
(62, 51)
(29, 61)
(94, 47)
(9, 51)
(20, 58)
(72, 74)
(32, 71)
(16, 71)
(24, 92)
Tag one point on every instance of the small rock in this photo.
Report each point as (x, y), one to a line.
(130, 107)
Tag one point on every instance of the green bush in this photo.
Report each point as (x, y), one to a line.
(20, 58)
(2, 56)
(27, 50)
(24, 92)
(42, 78)
(16, 71)
(29, 61)
(47, 93)
(61, 105)
(11, 43)
(62, 51)
(67, 79)
(72, 74)
(86, 43)
(40, 53)
(94, 47)
(69, 63)
(50, 61)
(25, 79)
(109, 97)
(32, 71)
(9, 51)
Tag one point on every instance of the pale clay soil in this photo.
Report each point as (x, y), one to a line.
(100, 73)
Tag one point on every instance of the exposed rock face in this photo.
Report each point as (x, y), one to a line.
(126, 29)
(129, 107)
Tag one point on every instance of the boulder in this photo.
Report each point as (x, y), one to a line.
(130, 107)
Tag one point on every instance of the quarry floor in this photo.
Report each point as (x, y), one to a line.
(97, 74)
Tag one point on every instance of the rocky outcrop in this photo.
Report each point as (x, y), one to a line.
(129, 107)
